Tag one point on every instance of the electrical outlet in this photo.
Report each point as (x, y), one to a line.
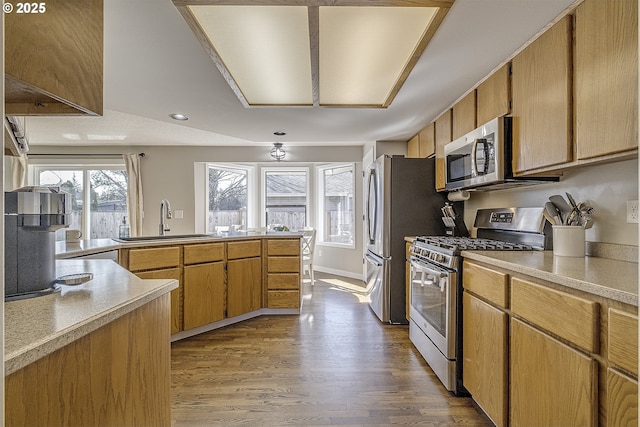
(178, 214)
(632, 212)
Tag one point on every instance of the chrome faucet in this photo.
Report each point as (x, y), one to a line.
(164, 204)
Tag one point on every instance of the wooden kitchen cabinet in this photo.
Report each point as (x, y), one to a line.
(54, 59)
(423, 143)
(485, 331)
(551, 383)
(493, 96)
(606, 77)
(464, 115)
(282, 273)
(159, 263)
(204, 284)
(542, 101)
(622, 399)
(443, 137)
(244, 277)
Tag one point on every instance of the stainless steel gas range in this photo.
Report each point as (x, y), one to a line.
(435, 326)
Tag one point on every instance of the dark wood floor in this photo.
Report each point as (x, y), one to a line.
(335, 364)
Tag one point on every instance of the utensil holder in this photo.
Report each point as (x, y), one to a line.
(568, 240)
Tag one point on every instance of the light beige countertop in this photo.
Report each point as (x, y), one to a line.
(39, 326)
(609, 278)
(95, 246)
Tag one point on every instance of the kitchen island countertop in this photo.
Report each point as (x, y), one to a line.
(36, 327)
(95, 246)
(608, 278)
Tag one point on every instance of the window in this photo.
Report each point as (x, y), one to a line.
(285, 198)
(336, 204)
(98, 197)
(227, 195)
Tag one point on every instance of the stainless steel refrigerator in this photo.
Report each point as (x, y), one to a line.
(400, 201)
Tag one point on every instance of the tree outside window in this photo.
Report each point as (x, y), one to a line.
(227, 199)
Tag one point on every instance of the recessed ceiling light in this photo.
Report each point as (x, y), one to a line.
(176, 116)
(279, 133)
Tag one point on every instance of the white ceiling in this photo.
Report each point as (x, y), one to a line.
(154, 66)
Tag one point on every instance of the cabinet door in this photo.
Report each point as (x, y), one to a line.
(606, 77)
(464, 115)
(176, 294)
(541, 84)
(485, 359)
(551, 383)
(443, 137)
(413, 147)
(244, 290)
(204, 299)
(622, 399)
(493, 96)
(427, 142)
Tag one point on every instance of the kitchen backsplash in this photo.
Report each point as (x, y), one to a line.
(606, 187)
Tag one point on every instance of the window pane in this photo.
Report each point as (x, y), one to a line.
(286, 199)
(338, 205)
(69, 181)
(108, 202)
(227, 199)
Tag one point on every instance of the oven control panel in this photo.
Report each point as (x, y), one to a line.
(503, 217)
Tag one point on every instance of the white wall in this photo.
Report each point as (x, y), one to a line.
(607, 187)
(168, 173)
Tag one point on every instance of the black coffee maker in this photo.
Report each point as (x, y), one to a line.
(31, 217)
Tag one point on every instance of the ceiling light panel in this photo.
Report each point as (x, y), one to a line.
(264, 48)
(365, 50)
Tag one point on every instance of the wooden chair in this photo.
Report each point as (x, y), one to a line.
(308, 243)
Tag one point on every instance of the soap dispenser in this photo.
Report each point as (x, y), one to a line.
(124, 230)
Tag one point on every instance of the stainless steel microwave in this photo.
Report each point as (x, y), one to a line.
(481, 159)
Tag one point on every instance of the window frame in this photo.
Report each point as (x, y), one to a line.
(320, 197)
(263, 190)
(85, 165)
(233, 167)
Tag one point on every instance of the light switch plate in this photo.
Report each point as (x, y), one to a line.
(632, 212)
(178, 214)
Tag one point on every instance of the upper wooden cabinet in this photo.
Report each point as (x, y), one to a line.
(542, 113)
(54, 59)
(606, 77)
(443, 137)
(493, 96)
(464, 115)
(423, 143)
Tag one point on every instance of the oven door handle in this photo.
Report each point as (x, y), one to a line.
(423, 268)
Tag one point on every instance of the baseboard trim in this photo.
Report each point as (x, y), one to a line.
(349, 274)
(231, 321)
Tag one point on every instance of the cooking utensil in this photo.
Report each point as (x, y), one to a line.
(552, 211)
(575, 211)
(548, 217)
(562, 206)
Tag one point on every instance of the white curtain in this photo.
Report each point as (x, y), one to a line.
(134, 192)
(18, 171)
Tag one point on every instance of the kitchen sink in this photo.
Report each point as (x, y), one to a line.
(166, 237)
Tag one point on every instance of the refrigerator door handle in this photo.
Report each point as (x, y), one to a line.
(372, 225)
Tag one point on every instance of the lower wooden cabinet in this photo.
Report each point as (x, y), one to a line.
(551, 383)
(622, 399)
(283, 273)
(176, 294)
(244, 286)
(204, 294)
(485, 361)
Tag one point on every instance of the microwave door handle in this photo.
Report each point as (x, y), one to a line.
(474, 158)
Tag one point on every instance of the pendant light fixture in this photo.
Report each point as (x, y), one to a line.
(277, 152)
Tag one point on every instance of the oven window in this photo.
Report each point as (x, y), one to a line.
(429, 299)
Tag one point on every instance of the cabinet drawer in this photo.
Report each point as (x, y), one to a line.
(283, 264)
(154, 258)
(486, 283)
(283, 247)
(247, 249)
(208, 252)
(283, 299)
(567, 316)
(623, 340)
(283, 281)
